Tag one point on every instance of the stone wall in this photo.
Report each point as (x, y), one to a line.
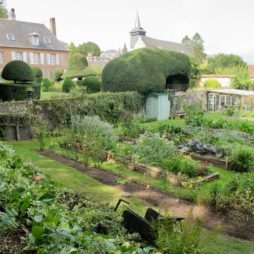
(182, 99)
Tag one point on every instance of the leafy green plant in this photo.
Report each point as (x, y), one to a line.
(68, 84)
(242, 160)
(47, 84)
(57, 74)
(181, 165)
(96, 138)
(171, 240)
(194, 115)
(153, 149)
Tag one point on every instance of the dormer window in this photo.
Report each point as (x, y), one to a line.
(34, 39)
(47, 40)
(10, 37)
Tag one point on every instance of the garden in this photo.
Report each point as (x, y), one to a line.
(91, 148)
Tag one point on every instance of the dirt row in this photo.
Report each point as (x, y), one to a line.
(162, 200)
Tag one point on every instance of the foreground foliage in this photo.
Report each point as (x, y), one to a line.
(37, 216)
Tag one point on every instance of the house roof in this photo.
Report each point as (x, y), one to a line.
(251, 70)
(22, 30)
(232, 91)
(155, 43)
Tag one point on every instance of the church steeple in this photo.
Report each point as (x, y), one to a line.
(136, 31)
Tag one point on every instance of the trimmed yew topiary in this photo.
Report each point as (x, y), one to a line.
(92, 84)
(146, 70)
(18, 71)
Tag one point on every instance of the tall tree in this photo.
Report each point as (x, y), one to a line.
(89, 47)
(225, 64)
(3, 12)
(196, 47)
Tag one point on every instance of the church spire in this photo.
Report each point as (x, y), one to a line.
(137, 22)
(136, 32)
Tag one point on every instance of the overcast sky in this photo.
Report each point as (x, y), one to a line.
(225, 25)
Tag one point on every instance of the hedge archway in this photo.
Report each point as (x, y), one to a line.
(146, 71)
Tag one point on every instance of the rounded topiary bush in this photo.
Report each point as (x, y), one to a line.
(146, 70)
(18, 71)
(37, 72)
(46, 84)
(68, 84)
(92, 84)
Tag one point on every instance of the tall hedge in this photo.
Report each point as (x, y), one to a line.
(144, 70)
(18, 92)
(18, 71)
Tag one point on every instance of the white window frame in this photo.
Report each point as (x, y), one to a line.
(35, 40)
(1, 57)
(52, 59)
(36, 58)
(10, 37)
(18, 55)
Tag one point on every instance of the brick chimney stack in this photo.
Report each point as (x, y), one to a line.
(53, 26)
(12, 14)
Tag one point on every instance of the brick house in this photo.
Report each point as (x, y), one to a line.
(33, 43)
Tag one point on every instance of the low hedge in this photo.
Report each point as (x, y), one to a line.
(18, 92)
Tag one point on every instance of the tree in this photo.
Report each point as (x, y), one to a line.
(89, 47)
(196, 47)
(57, 74)
(77, 65)
(3, 12)
(145, 70)
(225, 64)
(17, 70)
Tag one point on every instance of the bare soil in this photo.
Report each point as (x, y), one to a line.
(163, 201)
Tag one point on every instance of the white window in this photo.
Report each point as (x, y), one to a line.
(10, 37)
(52, 59)
(1, 57)
(18, 56)
(37, 58)
(35, 40)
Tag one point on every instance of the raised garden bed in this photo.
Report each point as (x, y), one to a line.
(223, 163)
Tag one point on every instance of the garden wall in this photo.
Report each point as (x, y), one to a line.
(56, 114)
(181, 99)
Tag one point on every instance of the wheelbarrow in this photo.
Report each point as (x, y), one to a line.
(135, 223)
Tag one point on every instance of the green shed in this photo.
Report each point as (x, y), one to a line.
(157, 106)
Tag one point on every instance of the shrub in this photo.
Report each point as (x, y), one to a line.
(37, 72)
(153, 149)
(194, 115)
(18, 71)
(170, 239)
(57, 74)
(236, 199)
(181, 165)
(212, 83)
(92, 84)
(97, 138)
(145, 70)
(242, 160)
(18, 92)
(68, 84)
(47, 84)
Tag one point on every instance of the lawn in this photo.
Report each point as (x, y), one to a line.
(71, 178)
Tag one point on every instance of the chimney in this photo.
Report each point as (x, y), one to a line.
(12, 14)
(53, 26)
